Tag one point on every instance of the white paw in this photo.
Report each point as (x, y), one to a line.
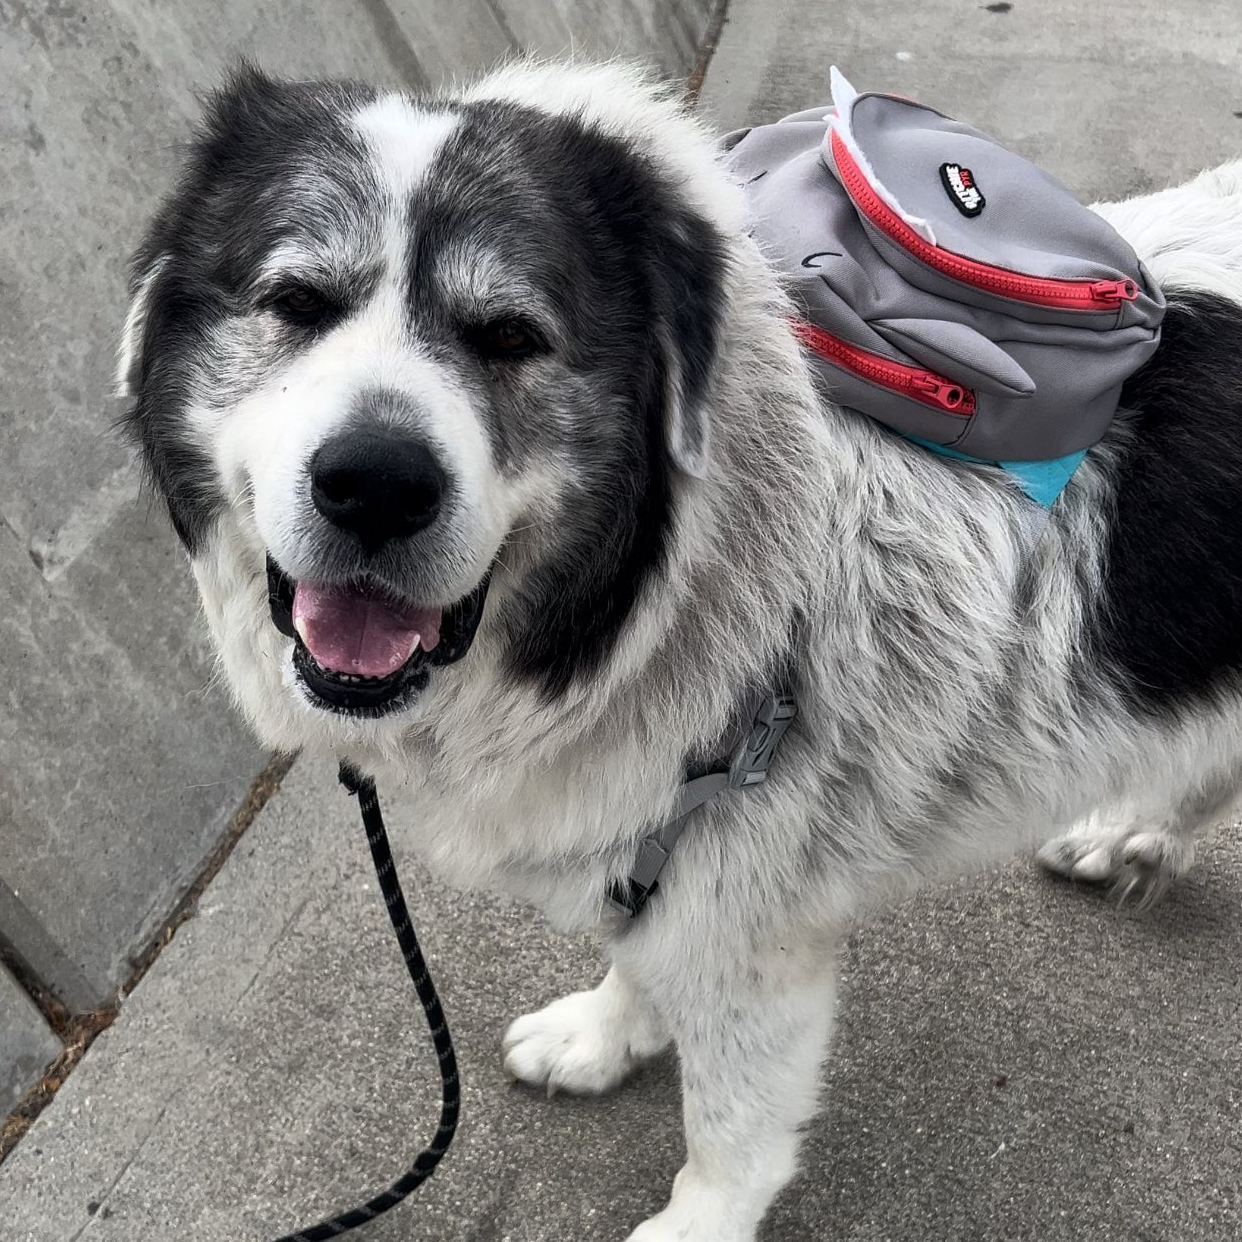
(657, 1229)
(695, 1217)
(1134, 862)
(580, 1044)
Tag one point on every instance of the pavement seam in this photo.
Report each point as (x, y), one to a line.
(79, 1031)
(398, 49)
(277, 941)
(116, 1181)
(707, 50)
(32, 955)
(497, 11)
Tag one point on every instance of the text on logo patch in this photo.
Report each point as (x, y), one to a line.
(960, 183)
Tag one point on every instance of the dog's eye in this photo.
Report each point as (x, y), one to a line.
(506, 339)
(302, 305)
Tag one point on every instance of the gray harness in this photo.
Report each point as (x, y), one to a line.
(749, 752)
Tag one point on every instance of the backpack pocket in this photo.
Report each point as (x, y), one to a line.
(960, 351)
(1019, 292)
(961, 216)
(904, 379)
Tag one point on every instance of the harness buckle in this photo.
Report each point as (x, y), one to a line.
(628, 896)
(754, 756)
(749, 766)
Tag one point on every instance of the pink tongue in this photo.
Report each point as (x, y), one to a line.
(348, 630)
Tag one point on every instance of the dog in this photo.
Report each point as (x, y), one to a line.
(503, 478)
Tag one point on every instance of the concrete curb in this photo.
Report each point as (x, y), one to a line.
(26, 1041)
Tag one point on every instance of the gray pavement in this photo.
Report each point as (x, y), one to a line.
(1116, 97)
(1016, 1059)
(27, 1044)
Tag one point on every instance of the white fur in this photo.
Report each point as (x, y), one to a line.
(588, 1042)
(130, 349)
(404, 139)
(905, 573)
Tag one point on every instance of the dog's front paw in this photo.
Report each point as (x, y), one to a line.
(693, 1219)
(657, 1229)
(581, 1043)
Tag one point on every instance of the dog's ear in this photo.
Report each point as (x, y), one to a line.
(688, 280)
(247, 104)
(240, 108)
(130, 352)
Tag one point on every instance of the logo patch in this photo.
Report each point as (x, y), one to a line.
(960, 183)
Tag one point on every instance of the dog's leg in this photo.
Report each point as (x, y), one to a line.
(585, 1043)
(1138, 857)
(751, 1040)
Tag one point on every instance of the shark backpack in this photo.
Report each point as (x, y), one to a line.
(945, 286)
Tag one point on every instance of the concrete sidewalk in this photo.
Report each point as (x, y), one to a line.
(1016, 1059)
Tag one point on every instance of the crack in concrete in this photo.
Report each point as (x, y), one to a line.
(116, 1181)
(707, 49)
(401, 54)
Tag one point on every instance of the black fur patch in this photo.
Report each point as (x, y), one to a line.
(1169, 624)
(638, 280)
(230, 207)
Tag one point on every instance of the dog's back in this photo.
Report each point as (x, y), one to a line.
(1189, 236)
(1170, 616)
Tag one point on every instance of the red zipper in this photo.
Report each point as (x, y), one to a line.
(1080, 295)
(914, 382)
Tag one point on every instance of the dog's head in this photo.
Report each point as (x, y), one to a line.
(387, 357)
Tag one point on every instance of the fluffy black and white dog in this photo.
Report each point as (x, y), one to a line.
(502, 477)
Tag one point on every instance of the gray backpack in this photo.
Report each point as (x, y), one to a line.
(949, 288)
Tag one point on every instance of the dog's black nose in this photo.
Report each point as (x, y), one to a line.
(378, 483)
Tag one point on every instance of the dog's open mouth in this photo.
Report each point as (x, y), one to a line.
(358, 649)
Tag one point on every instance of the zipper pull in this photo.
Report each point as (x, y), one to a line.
(948, 396)
(1116, 291)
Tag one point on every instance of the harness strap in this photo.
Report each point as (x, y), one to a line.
(750, 750)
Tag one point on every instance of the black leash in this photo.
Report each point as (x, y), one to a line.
(764, 722)
(394, 899)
